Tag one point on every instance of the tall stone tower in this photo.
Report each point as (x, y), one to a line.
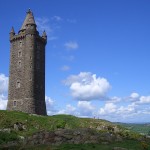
(27, 69)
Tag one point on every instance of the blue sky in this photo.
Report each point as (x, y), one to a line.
(97, 55)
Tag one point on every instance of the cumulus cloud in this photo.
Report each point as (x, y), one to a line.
(85, 108)
(3, 102)
(107, 109)
(86, 86)
(69, 109)
(134, 96)
(65, 68)
(3, 91)
(3, 84)
(71, 45)
(50, 105)
(82, 109)
(144, 100)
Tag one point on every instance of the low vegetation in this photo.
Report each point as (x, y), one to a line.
(16, 125)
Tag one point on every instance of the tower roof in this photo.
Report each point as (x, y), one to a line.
(28, 20)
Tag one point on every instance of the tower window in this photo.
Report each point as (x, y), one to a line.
(14, 103)
(18, 84)
(19, 54)
(20, 44)
(31, 65)
(19, 64)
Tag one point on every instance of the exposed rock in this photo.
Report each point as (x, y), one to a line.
(18, 126)
(5, 130)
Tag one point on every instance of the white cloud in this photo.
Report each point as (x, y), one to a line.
(3, 84)
(65, 68)
(107, 109)
(49, 101)
(114, 99)
(86, 86)
(69, 109)
(57, 18)
(134, 96)
(144, 99)
(50, 106)
(85, 108)
(3, 102)
(43, 24)
(71, 45)
(3, 91)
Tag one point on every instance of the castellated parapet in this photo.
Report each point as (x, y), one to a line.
(27, 69)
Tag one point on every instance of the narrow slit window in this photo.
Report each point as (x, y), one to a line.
(19, 54)
(19, 64)
(20, 44)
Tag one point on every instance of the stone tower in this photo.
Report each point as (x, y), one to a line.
(27, 69)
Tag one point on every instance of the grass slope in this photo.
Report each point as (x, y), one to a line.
(35, 123)
(140, 128)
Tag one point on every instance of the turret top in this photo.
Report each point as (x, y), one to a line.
(12, 30)
(28, 20)
(44, 34)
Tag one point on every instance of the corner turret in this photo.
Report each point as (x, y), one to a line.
(12, 32)
(44, 36)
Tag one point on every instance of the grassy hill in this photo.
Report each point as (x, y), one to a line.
(34, 123)
(15, 124)
(140, 128)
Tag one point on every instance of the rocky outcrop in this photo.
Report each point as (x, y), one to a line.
(67, 136)
(71, 136)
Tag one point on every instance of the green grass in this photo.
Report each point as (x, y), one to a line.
(34, 123)
(140, 128)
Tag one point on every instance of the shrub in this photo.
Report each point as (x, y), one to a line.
(7, 137)
(144, 145)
